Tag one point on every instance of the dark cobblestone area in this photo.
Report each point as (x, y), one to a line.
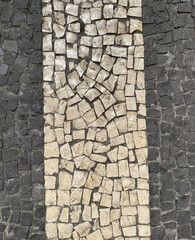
(170, 83)
(21, 121)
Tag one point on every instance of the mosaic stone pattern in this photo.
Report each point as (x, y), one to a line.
(96, 173)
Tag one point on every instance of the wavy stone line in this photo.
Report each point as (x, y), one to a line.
(96, 174)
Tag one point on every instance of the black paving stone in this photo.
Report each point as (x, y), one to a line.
(170, 100)
(20, 113)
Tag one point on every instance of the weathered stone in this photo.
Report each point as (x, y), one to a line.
(65, 180)
(83, 229)
(50, 197)
(104, 217)
(140, 139)
(79, 178)
(107, 186)
(59, 30)
(143, 215)
(129, 231)
(120, 67)
(77, 149)
(95, 236)
(95, 13)
(85, 16)
(93, 181)
(108, 11)
(58, 6)
(124, 39)
(46, 25)
(75, 196)
(51, 230)
(75, 213)
(110, 82)
(59, 135)
(90, 30)
(107, 62)
(144, 230)
(107, 99)
(112, 170)
(47, 42)
(120, 12)
(121, 124)
(72, 9)
(52, 214)
(50, 182)
(74, 27)
(65, 230)
(59, 18)
(91, 94)
(134, 171)
(66, 152)
(135, 25)
(47, 73)
(86, 196)
(64, 217)
(59, 46)
(123, 168)
(51, 150)
(51, 166)
(92, 70)
(116, 228)
(101, 27)
(72, 51)
(138, 39)
(72, 113)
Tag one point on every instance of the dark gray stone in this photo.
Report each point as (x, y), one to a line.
(2, 111)
(11, 170)
(26, 219)
(21, 232)
(11, 46)
(183, 217)
(158, 233)
(14, 33)
(21, 23)
(184, 231)
(21, 3)
(184, 7)
(19, 18)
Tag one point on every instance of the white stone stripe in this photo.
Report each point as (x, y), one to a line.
(96, 173)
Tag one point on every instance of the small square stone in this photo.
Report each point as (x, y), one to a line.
(59, 46)
(112, 170)
(112, 26)
(90, 30)
(101, 27)
(108, 11)
(47, 42)
(96, 13)
(72, 9)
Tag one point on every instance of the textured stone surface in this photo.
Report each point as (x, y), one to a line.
(169, 67)
(22, 208)
(95, 142)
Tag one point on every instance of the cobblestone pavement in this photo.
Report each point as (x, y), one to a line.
(96, 173)
(170, 88)
(22, 213)
(101, 185)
